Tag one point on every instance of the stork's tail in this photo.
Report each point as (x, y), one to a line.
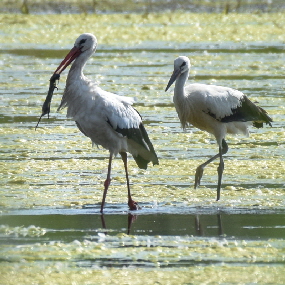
(148, 155)
(141, 162)
(262, 118)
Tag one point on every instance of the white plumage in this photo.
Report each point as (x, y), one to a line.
(107, 119)
(216, 109)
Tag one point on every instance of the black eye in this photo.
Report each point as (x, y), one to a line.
(82, 41)
(183, 64)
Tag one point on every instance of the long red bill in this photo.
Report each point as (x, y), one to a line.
(71, 56)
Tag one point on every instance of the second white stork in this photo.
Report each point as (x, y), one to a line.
(107, 119)
(215, 109)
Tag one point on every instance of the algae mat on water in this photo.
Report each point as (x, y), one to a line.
(133, 29)
(56, 169)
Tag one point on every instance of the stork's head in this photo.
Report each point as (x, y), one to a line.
(181, 65)
(86, 42)
(85, 45)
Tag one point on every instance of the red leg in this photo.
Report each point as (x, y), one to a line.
(107, 182)
(132, 204)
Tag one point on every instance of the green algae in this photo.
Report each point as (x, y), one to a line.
(53, 274)
(133, 29)
(60, 167)
(31, 231)
(159, 249)
(55, 167)
(61, 261)
(75, 182)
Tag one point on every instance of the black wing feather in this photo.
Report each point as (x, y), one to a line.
(247, 111)
(140, 136)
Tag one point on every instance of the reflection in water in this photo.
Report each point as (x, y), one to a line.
(67, 225)
(220, 226)
(199, 225)
(103, 222)
(199, 231)
(131, 219)
(162, 241)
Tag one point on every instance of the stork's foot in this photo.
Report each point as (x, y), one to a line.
(133, 205)
(198, 175)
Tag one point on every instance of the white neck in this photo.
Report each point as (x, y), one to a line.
(179, 85)
(179, 97)
(76, 70)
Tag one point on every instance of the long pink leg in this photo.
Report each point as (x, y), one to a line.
(107, 182)
(132, 204)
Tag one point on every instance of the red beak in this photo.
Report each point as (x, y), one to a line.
(71, 56)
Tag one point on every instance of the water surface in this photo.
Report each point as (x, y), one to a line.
(52, 178)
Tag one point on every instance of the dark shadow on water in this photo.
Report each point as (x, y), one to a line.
(67, 225)
(211, 48)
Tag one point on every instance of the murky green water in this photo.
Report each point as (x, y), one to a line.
(51, 184)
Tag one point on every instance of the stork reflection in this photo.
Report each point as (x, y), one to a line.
(131, 219)
(200, 229)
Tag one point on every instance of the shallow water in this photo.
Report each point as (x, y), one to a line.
(51, 184)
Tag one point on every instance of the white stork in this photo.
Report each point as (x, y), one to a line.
(215, 109)
(107, 119)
